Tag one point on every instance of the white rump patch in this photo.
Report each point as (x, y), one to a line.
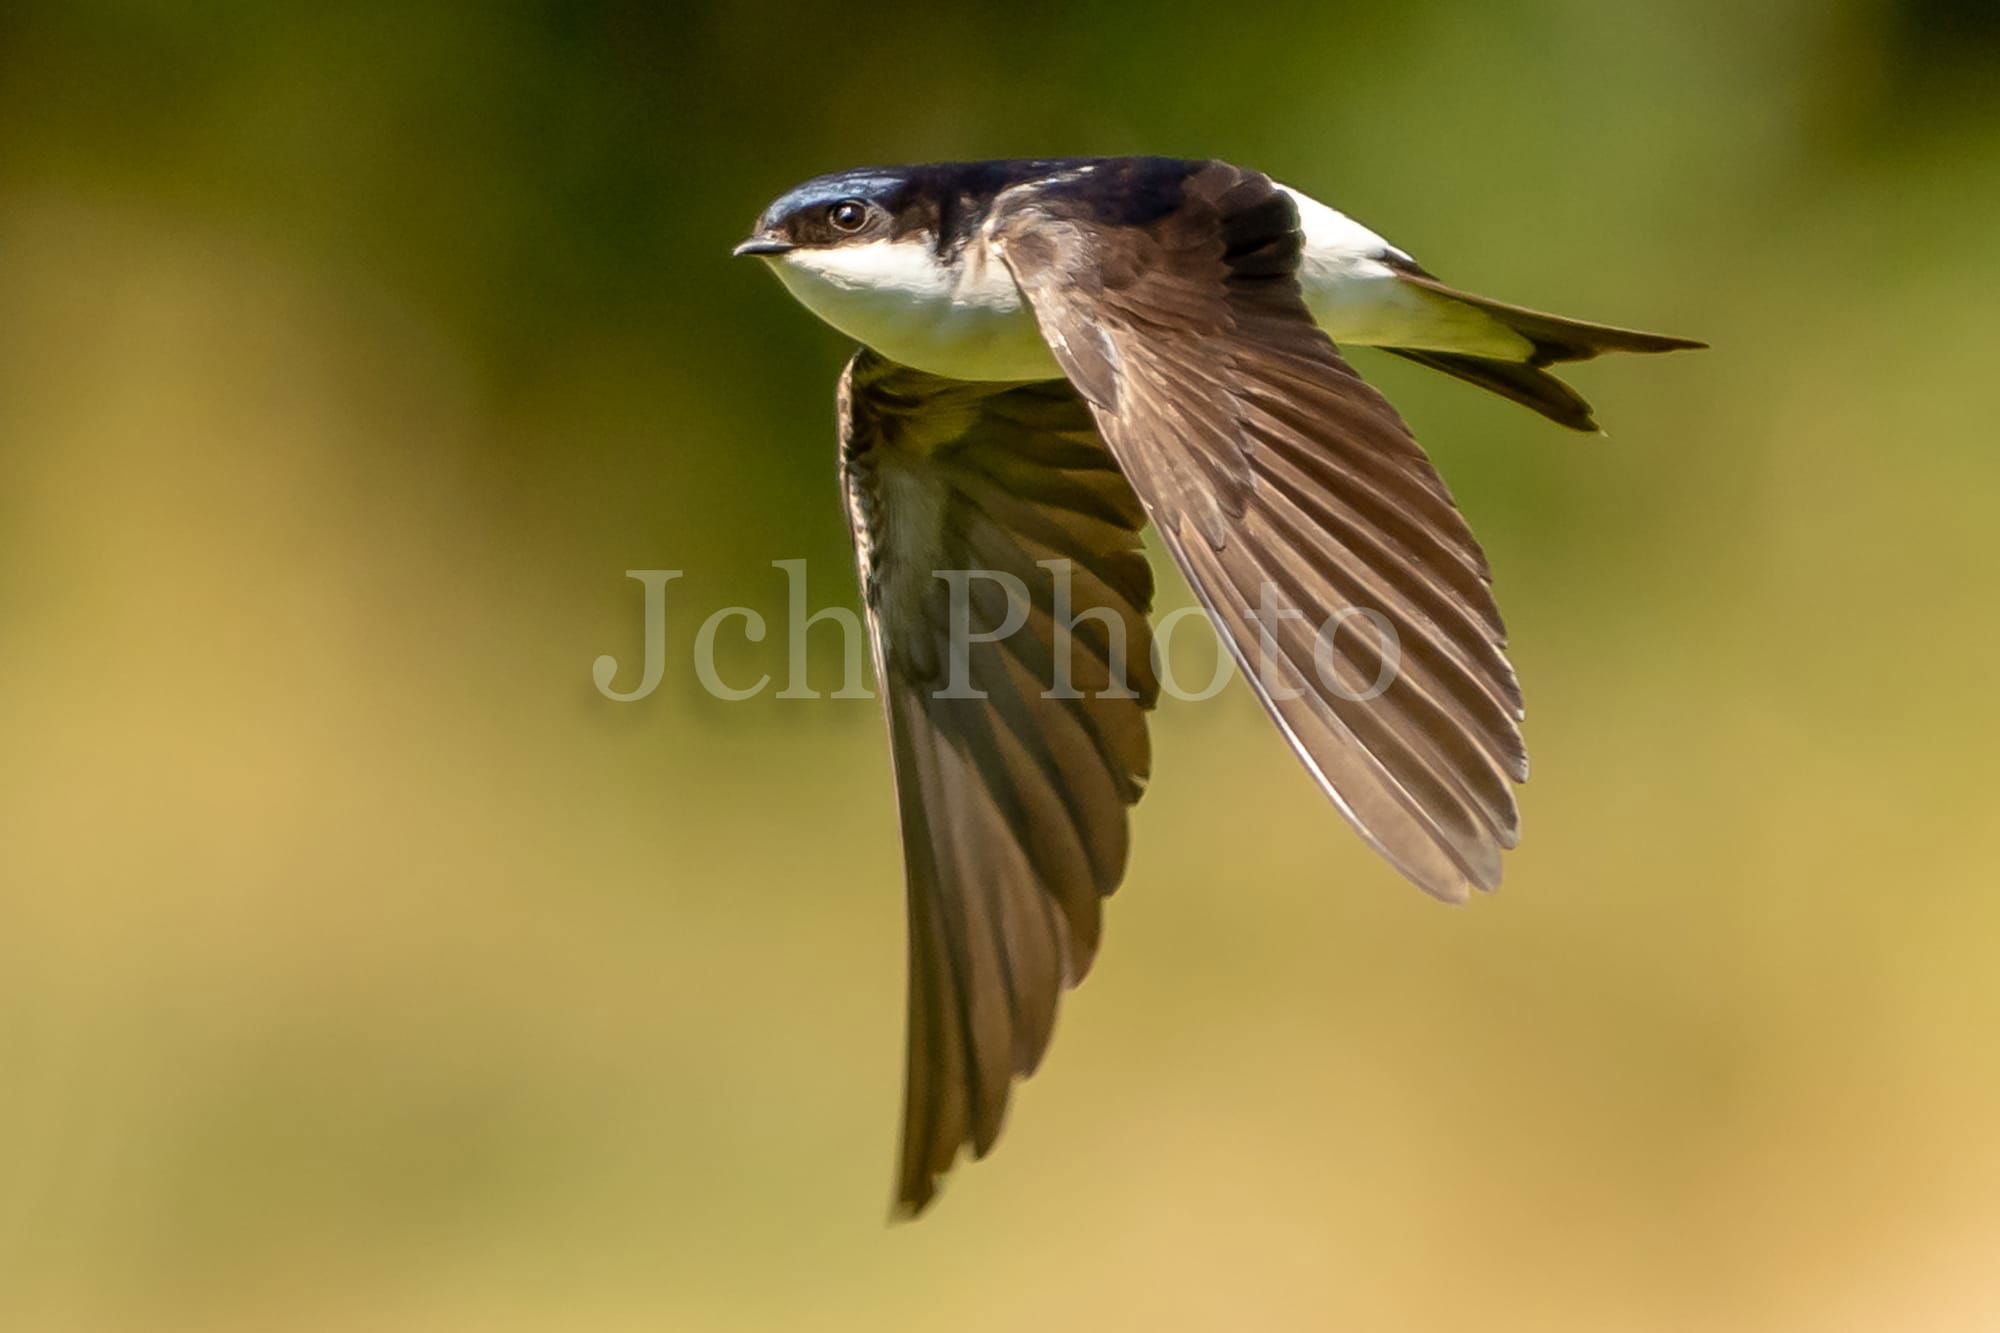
(1358, 299)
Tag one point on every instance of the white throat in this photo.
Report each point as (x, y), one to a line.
(964, 319)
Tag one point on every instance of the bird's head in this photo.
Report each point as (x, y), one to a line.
(892, 257)
(846, 210)
(860, 250)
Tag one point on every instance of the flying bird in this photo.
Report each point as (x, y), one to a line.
(1054, 353)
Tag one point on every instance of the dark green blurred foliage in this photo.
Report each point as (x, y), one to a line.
(361, 968)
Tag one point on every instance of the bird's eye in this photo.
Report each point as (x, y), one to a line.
(847, 215)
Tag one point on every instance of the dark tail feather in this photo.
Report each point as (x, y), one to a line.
(1530, 386)
(1555, 339)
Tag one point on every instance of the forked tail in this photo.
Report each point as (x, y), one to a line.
(1554, 339)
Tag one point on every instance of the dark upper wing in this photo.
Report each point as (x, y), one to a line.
(1169, 294)
(1013, 804)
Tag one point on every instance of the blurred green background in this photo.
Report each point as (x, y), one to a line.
(362, 969)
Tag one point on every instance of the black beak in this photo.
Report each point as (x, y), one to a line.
(759, 245)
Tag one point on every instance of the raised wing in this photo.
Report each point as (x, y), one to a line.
(1290, 493)
(1013, 779)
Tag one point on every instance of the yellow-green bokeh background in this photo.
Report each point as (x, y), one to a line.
(362, 969)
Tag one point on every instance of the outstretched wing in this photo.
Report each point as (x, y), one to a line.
(1290, 493)
(1013, 777)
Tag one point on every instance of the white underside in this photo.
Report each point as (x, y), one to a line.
(972, 322)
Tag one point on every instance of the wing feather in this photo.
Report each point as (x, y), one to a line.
(1281, 482)
(1014, 803)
